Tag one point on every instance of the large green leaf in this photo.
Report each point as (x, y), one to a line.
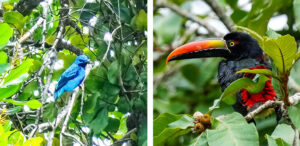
(162, 132)
(4, 67)
(19, 71)
(200, 140)
(100, 121)
(258, 71)
(233, 130)
(15, 138)
(282, 50)
(33, 104)
(114, 72)
(294, 115)
(183, 123)
(15, 18)
(3, 57)
(5, 33)
(229, 94)
(284, 132)
(276, 142)
(113, 125)
(9, 91)
(141, 20)
(79, 41)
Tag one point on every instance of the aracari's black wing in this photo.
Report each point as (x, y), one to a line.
(227, 74)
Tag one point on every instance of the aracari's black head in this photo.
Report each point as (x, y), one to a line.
(235, 46)
(242, 45)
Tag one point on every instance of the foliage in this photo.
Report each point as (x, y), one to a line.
(14, 137)
(33, 56)
(184, 87)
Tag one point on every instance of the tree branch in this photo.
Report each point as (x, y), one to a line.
(192, 17)
(269, 104)
(220, 12)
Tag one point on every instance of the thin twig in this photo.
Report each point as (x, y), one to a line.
(126, 137)
(109, 43)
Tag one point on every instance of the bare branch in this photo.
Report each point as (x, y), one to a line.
(220, 12)
(268, 104)
(109, 43)
(192, 17)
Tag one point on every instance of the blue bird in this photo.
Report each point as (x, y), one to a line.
(72, 76)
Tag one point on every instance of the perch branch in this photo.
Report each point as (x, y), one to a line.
(293, 99)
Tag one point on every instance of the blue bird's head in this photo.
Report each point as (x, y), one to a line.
(82, 60)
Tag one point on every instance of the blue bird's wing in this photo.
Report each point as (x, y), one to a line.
(70, 73)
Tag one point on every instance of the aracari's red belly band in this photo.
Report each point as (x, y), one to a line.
(268, 93)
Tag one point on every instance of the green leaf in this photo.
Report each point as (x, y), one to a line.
(271, 33)
(123, 105)
(275, 142)
(162, 132)
(113, 73)
(232, 3)
(229, 94)
(13, 110)
(233, 130)
(167, 27)
(297, 57)
(238, 15)
(294, 115)
(183, 123)
(20, 70)
(15, 18)
(282, 50)
(9, 91)
(78, 41)
(113, 125)
(285, 132)
(4, 67)
(16, 138)
(258, 71)
(101, 117)
(18, 80)
(50, 112)
(200, 140)
(34, 141)
(296, 9)
(3, 58)
(141, 20)
(5, 33)
(33, 104)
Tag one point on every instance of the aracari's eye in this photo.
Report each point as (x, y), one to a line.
(231, 44)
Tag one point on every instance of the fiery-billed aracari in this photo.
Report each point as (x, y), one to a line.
(240, 51)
